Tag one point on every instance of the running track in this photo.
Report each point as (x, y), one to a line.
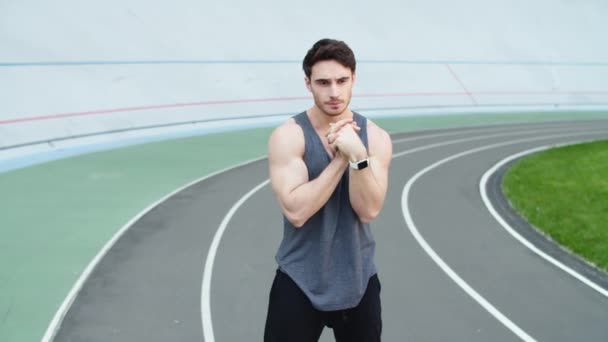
(452, 273)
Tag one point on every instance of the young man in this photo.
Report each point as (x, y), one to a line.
(329, 171)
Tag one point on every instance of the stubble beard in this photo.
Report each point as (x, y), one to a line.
(326, 109)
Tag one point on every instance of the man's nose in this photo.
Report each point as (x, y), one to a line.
(334, 90)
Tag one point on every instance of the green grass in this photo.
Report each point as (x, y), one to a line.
(564, 193)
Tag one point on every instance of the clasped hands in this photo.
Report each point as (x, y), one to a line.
(342, 137)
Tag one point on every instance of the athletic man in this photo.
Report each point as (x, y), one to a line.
(329, 172)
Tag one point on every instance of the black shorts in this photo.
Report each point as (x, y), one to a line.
(291, 316)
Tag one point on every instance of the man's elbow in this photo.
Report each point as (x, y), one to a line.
(297, 219)
(297, 223)
(368, 215)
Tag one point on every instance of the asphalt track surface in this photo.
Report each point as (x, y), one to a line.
(490, 286)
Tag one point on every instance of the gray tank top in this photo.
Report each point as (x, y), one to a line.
(331, 256)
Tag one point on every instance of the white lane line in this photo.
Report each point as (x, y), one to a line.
(446, 134)
(468, 139)
(206, 289)
(55, 323)
(482, 189)
(208, 271)
(479, 130)
(437, 259)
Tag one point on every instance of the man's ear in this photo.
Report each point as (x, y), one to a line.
(307, 82)
(354, 78)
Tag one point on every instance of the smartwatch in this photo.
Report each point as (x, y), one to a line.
(360, 165)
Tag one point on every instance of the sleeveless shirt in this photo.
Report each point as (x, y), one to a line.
(330, 257)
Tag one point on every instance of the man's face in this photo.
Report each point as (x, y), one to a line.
(331, 85)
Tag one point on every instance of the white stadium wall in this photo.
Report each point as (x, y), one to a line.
(79, 69)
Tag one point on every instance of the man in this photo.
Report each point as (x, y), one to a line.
(329, 171)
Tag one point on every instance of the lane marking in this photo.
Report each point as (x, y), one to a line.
(55, 324)
(147, 107)
(482, 189)
(437, 259)
(57, 319)
(555, 126)
(495, 128)
(479, 137)
(208, 270)
(466, 92)
(206, 317)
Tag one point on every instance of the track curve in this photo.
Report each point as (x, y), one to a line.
(148, 286)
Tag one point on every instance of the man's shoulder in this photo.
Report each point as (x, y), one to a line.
(372, 125)
(289, 126)
(378, 134)
(286, 141)
(286, 132)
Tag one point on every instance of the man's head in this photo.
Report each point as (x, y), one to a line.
(329, 49)
(329, 67)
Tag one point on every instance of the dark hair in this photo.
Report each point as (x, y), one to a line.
(329, 49)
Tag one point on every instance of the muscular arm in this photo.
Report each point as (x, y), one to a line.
(367, 187)
(298, 197)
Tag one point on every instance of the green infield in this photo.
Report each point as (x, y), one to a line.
(564, 193)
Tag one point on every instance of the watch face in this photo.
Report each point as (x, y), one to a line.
(362, 164)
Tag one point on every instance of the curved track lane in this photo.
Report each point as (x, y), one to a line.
(148, 286)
